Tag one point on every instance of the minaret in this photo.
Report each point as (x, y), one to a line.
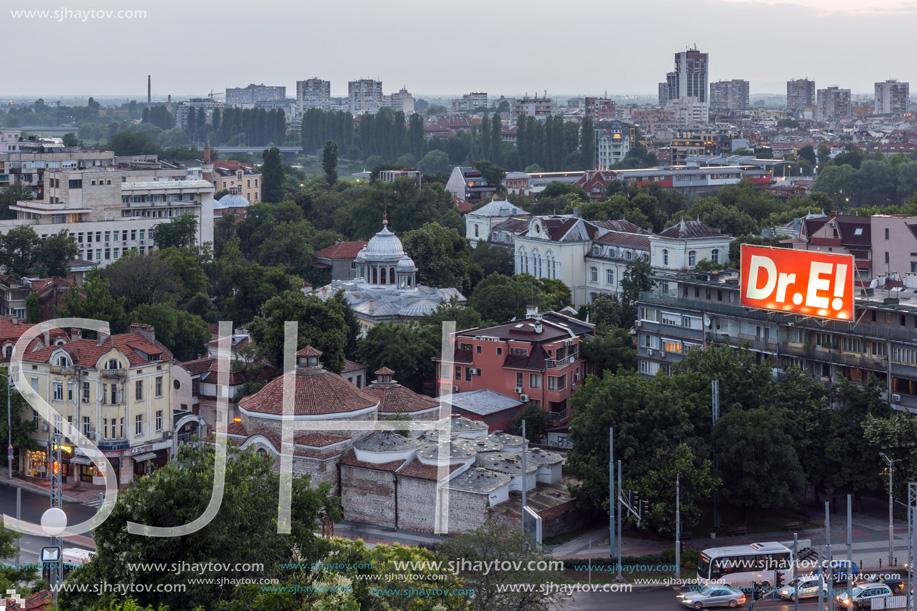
(207, 166)
(149, 90)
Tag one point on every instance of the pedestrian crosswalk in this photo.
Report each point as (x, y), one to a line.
(96, 502)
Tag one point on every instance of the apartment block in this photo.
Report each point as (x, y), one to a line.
(729, 95)
(470, 101)
(833, 104)
(254, 94)
(313, 93)
(704, 309)
(365, 96)
(540, 108)
(892, 98)
(800, 94)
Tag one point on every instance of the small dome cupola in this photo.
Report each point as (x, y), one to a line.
(308, 359)
(384, 376)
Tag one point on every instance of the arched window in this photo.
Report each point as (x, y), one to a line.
(715, 255)
(62, 361)
(627, 255)
(8, 350)
(382, 275)
(609, 276)
(112, 364)
(551, 270)
(391, 275)
(594, 274)
(375, 277)
(665, 257)
(536, 263)
(477, 232)
(692, 258)
(523, 262)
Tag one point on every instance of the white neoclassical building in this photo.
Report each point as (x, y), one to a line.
(481, 222)
(590, 257)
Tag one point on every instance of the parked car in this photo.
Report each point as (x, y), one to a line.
(714, 596)
(841, 571)
(807, 585)
(863, 596)
(892, 580)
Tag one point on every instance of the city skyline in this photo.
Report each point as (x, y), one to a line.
(810, 39)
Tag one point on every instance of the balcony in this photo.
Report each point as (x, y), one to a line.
(561, 363)
(559, 416)
(835, 356)
(114, 373)
(62, 370)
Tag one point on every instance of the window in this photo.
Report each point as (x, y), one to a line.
(86, 425)
(85, 392)
(671, 345)
(138, 390)
(593, 274)
(886, 257)
(535, 380)
(477, 231)
(715, 256)
(159, 420)
(692, 258)
(477, 350)
(122, 429)
(557, 382)
(69, 391)
(58, 391)
(458, 372)
(138, 425)
(105, 428)
(886, 233)
(112, 364)
(609, 276)
(114, 394)
(519, 379)
(159, 386)
(670, 319)
(468, 374)
(665, 257)
(499, 351)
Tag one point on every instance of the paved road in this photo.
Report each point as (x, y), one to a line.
(661, 599)
(34, 505)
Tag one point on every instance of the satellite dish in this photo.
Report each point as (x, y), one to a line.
(708, 321)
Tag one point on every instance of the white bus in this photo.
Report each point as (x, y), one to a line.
(740, 565)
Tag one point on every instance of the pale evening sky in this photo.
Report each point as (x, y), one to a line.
(442, 48)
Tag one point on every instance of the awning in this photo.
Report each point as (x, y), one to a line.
(143, 457)
(80, 460)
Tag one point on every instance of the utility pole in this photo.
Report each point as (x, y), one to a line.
(677, 525)
(911, 536)
(524, 479)
(715, 402)
(795, 573)
(9, 429)
(827, 571)
(850, 547)
(611, 492)
(891, 506)
(621, 515)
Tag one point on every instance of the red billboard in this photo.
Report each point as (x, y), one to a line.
(798, 281)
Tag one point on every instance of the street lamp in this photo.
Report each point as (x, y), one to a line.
(891, 503)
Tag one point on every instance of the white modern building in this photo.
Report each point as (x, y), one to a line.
(109, 217)
(402, 101)
(612, 142)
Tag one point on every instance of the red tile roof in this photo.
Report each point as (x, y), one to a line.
(87, 352)
(40, 601)
(421, 471)
(309, 351)
(351, 460)
(317, 392)
(342, 250)
(396, 399)
(353, 366)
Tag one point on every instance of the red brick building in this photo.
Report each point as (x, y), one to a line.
(535, 360)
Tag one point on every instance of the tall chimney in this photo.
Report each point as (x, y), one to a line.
(149, 90)
(76, 334)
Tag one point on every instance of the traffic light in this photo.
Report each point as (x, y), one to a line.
(780, 579)
(634, 500)
(644, 508)
(682, 546)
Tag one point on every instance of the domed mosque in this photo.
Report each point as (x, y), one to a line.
(385, 287)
